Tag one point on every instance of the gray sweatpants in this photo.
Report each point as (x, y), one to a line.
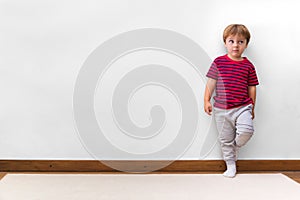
(235, 127)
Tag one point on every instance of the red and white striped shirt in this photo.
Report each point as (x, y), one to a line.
(233, 78)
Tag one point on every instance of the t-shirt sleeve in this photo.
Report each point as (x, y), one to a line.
(213, 71)
(252, 80)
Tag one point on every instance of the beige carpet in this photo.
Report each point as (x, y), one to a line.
(146, 187)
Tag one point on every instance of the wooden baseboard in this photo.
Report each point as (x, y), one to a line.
(139, 166)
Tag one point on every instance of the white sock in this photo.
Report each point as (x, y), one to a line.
(231, 169)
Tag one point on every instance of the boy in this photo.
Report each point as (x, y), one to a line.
(234, 78)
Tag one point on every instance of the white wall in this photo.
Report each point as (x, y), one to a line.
(44, 44)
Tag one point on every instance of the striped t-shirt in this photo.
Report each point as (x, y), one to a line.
(233, 79)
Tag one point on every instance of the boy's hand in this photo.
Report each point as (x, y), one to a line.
(209, 89)
(208, 107)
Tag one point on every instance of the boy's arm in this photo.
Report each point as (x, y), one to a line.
(210, 87)
(252, 95)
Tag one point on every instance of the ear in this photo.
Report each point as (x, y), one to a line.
(247, 43)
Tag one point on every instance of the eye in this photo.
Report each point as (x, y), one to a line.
(230, 41)
(241, 42)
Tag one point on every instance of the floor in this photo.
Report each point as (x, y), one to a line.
(293, 175)
(160, 186)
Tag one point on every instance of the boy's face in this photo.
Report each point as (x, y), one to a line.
(235, 45)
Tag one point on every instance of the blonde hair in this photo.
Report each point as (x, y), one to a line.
(236, 29)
